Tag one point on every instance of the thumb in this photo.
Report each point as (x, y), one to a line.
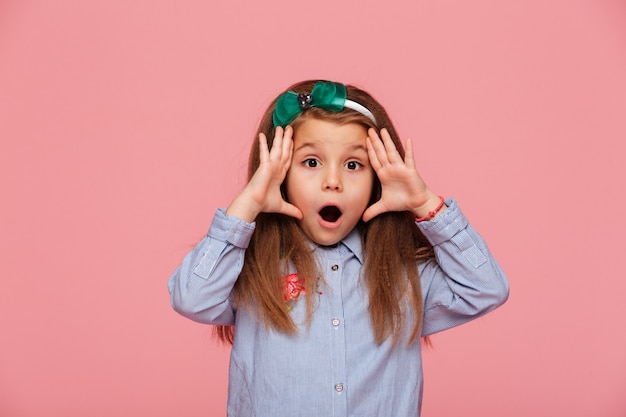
(373, 211)
(290, 210)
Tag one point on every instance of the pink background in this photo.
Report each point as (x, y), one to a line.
(125, 123)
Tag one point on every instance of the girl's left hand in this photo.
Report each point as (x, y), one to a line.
(402, 187)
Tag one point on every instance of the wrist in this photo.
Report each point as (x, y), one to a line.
(431, 209)
(243, 208)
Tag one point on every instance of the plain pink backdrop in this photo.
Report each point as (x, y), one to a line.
(125, 123)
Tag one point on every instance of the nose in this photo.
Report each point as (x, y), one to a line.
(332, 180)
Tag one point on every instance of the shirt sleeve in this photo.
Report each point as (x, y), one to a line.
(464, 281)
(200, 288)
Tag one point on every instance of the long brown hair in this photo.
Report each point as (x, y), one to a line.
(392, 246)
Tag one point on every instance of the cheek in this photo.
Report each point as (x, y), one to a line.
(293, 188)
(362, 191)
(369, 182)
(371, 190)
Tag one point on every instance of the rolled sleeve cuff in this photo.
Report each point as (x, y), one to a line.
(230, 229)
(443, 227)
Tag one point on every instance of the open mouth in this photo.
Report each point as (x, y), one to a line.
(330, 213)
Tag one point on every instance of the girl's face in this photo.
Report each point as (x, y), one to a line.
(330, 179)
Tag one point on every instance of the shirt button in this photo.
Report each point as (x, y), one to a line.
(339, 387)
(336, 322)
(334, 267)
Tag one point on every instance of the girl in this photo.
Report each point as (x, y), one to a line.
(332, 263)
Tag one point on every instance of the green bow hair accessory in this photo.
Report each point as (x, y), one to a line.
(325, 94)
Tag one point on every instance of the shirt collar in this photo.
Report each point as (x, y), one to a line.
(353, 242)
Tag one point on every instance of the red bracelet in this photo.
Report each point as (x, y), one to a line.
(431, 214)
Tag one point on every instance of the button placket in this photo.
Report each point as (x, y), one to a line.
(338, 337)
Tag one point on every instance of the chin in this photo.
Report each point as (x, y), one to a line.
(325, 237)
(326, 240)
(332, 243)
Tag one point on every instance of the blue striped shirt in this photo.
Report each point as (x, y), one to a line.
(334, 367)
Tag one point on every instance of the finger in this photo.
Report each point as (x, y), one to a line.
(390, 148)
(291, 210)
(379, 147)
(287, 146)
(277, 142)
(371, 154)
(263, 149)
(409, 158)
(373, 211)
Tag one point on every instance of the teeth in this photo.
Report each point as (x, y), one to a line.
(330, 213)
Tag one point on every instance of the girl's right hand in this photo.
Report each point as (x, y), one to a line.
(262, 194)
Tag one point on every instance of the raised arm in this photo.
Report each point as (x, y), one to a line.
(201, 286)
(465, 281)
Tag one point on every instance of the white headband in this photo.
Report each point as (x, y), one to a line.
(360, 108)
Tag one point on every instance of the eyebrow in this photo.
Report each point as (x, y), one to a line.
(312, 145)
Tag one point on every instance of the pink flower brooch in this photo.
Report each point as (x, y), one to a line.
(293, 288)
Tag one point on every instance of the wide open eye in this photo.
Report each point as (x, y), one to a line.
(353, 165)
(311, 163)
